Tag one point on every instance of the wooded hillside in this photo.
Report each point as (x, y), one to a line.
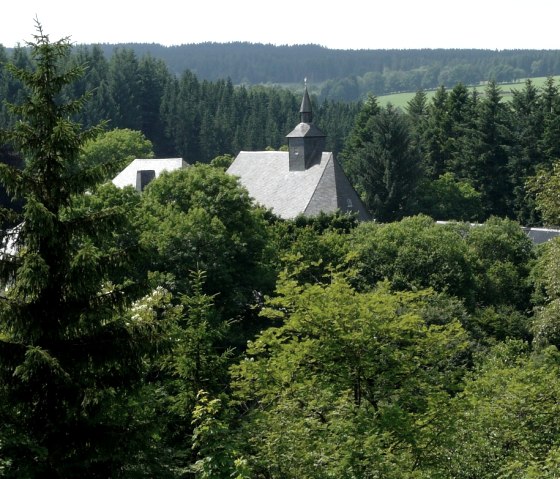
(349, 74)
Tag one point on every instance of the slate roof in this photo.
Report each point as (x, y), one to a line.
(303, 130)
(127, 177)
(323, 187)
(541, 235)
(305, 110)
(537, 235)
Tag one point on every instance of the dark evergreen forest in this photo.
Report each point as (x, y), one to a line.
(346, 74)
(182, 115)
(349, 74)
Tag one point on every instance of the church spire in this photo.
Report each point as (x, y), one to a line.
(305, 110)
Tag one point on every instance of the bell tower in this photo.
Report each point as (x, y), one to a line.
(306, 142)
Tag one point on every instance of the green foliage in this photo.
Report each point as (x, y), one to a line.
(505, 422)
(124, 83)
(222, 161)
(486, 266)
(449, 199)
(72, 357)
(212, 441)
(346, 384)
(437, 135)
(313, 246)
(528, 129)
(413, 253)
(502, 255)
(488, 157)
(501, 322)
(114, 150)
(199, 218)
(362, 133)
(544, 187)
(339, 222)
(195, 366)
(547, 296)
(383, 163)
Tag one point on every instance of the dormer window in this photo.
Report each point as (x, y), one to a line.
(143, 177)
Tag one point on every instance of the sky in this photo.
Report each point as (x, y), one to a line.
(341, 24)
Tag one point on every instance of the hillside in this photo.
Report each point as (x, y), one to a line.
(349, 74)
(346, 75)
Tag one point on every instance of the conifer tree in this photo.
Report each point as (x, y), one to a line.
(72, 355)
(489, 152)
(437, 134)
(527, 129)
(549, 143)
(386, 166)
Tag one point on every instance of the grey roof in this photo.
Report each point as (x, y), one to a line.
(127, 177)
(305, 130)
(305, 110)
(541, 235)
(305, 103)
(322, 187)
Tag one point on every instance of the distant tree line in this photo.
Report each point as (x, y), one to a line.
(347, 74)
(181, 115)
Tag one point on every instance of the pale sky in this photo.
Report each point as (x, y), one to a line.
(344, 24)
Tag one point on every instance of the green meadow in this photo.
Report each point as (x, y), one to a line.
(401, 99)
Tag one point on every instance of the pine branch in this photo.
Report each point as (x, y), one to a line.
(11, 353)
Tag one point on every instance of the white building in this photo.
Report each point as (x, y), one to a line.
(141, 171)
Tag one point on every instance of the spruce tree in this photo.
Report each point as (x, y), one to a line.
(527, 130)
(437, 134)
(72, 354)
(489, 153)
(386, 167)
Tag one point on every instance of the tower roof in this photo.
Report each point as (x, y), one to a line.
(306, 127)
(305, 130)
(305, 111)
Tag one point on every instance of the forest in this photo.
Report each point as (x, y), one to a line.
(347, 75)
(184, 332)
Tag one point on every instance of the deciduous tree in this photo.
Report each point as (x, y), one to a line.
(347, 382)
(113, 150)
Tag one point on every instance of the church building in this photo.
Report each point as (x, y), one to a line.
(304, 180)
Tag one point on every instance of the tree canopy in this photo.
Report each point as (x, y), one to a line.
(183, 331)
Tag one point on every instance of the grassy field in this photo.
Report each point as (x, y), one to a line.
(401, 99)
